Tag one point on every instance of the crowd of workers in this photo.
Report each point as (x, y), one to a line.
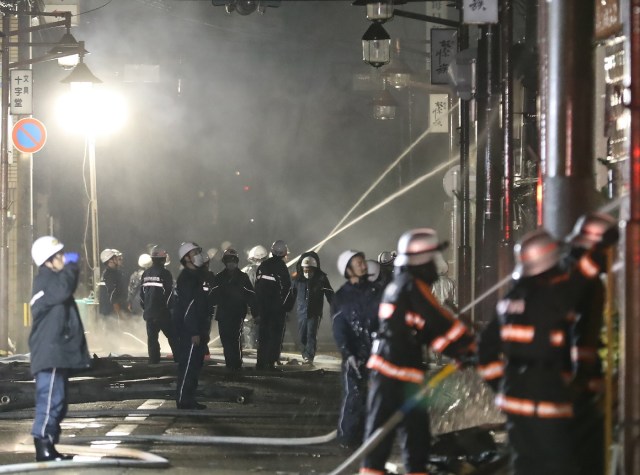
(539, 353)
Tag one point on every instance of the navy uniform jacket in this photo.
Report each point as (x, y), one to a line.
(192, 310)
(156, 293)
(232, 292)
(523, 351)
(113, 290)
(355, 318)
(273, 286)
(411, 319)
(57, 335)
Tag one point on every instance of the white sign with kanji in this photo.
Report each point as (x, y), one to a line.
(479, 11)
(21, 92)
(438, 112)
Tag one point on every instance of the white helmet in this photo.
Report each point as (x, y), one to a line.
(107, 254)
(373, 268)
(345, 258)
(309, 261)
(536, 253)
(45, 247)
(417, 247)
(257, 253)
(144, 261)
(185, 248)
(279, 248)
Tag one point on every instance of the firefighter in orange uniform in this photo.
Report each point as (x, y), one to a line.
(523, 354)
(410, 318)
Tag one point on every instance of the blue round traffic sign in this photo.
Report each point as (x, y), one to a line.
(29, 135)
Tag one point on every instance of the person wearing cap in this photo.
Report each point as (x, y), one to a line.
(57, 343)
(135, 280)
(192, 320)
(587, 382)
(156, 300)
(523, 353)
(410, 321)
(113, 287)
(274, 300)
(233, 294)
(354, 320)
(310, 287)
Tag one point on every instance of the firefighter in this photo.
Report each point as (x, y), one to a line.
(587, 384)
(232, 293)
(310, 287)
(256, 256)
(192, 320)
(156, 297)
(354, 320)
(523, 354)
(274, 299)
(410, 319)
(56, 342)
(113, 289)
(135, 281)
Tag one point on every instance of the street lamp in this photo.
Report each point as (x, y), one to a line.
(90, 110)
(24, 61)
(376, 44)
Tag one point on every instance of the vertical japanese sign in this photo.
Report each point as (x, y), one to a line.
(480, 11)
(439, 113)
(444, 46)
(21, 93)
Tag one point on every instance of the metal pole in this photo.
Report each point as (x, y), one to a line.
(506, 33)
(91, 144)
(489, 172)
(4, 193)
(464, 249)
(569, 187)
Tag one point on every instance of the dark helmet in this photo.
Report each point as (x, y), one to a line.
(230, 255)
(589, 229)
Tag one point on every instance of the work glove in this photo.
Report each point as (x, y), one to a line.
(71, 257)
(353, 364)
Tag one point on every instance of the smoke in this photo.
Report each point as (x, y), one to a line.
(252, 133)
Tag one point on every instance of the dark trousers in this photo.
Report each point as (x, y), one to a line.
(271, 332)
(190, 361)
(385, 397)
(353, 410)
(541, 445)
(51, 403)
(308, 334)
(588, 431)
(154, 327)
(230, 329)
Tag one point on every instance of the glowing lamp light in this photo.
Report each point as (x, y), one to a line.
(87, 109)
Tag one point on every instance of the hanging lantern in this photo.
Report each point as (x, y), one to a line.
(376, 46)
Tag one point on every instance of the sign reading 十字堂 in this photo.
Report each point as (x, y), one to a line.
(21, 92)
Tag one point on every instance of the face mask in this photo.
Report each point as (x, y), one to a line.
(199, 259)
(307, 275)
(231, 265)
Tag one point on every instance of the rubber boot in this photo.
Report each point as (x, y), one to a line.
(45, 451)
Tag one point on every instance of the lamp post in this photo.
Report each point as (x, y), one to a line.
(6, 66)
(90, 110)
